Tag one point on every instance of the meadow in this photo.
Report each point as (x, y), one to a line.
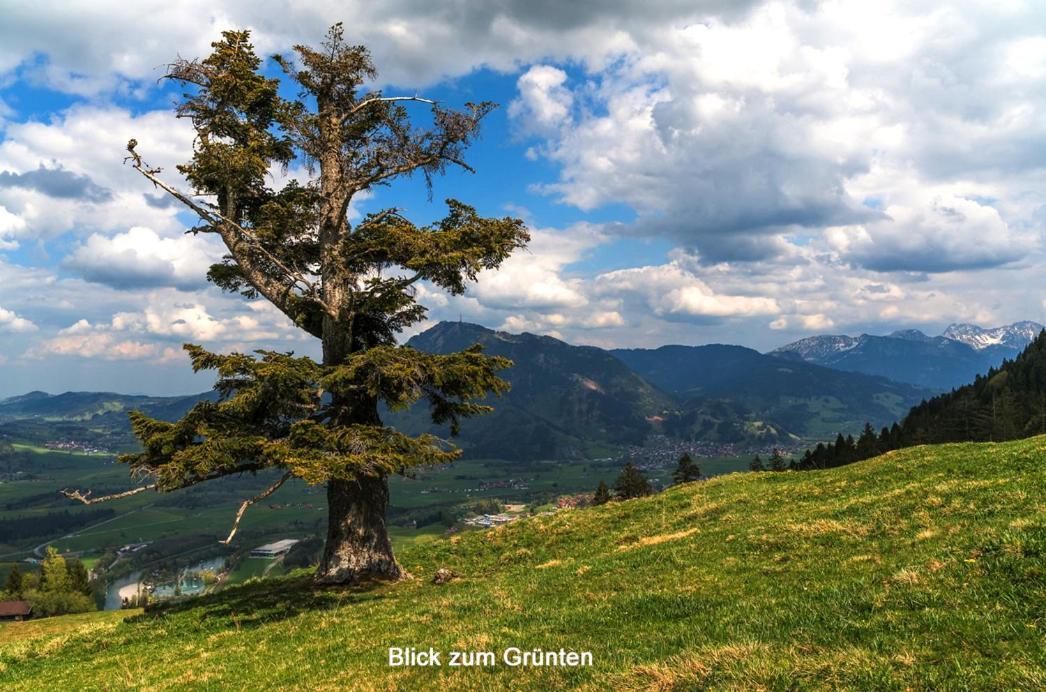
(920, 569)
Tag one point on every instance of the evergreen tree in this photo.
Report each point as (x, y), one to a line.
(350, 287)
(13, 583)
(602, 495)
(1006, 403)
(79, 580)
(867, 443)
(756, 464)
(777, 462)
(686, 470)
(631, 483)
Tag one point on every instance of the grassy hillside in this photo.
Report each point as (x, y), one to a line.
(923, 568)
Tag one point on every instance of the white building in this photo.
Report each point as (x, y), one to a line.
(273, 550)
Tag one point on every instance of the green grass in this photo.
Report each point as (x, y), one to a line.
(920, 569)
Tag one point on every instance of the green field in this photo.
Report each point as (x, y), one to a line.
(921, 569)
(297, 511)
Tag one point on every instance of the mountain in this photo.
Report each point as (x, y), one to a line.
(1015, 336)
(938, 363)
(565, 400)
(1006, 403)
(90, 406)
(98, 418)
(803, 398)
(922, 569)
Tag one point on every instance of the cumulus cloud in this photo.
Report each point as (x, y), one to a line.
(103, 346)
(728, 134)
(933, 228)
(672, 292)
(83, 47)
(535, 278)
(12, 323)
(543, 103)
(67, 174)
(140, 258)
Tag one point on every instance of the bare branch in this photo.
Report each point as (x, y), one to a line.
(377, 99)
(247, 503)
(85, 497)
(233, 236)
(209, 215)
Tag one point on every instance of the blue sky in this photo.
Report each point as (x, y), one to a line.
(739, 172)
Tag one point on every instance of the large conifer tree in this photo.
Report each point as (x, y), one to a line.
(350, 286)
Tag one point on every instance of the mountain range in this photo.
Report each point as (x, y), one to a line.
(938, 363)
(570, 401)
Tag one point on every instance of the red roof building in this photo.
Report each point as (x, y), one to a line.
(15, 610)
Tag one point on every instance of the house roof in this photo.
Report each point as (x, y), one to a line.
(9, 608)
(285, 544)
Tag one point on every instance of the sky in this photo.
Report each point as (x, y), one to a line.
(692, 172)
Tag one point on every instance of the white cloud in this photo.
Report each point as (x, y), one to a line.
(674, 293)
(12, 323)
(726, 133)
(86, 145)
(91, 46)
(103, 346)
(536, 278)
(544, 103)
(141, 258)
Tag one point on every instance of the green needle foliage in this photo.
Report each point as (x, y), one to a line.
(686, 470)
(351, 286)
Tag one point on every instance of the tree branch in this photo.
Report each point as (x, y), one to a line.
(247, 503)
(85, 497)
(377, 99)
(233, 235)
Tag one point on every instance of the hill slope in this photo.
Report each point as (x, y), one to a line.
(923, 568)
(564, 400)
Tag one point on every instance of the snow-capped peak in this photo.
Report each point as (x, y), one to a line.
(1016, 335)
(813, 348)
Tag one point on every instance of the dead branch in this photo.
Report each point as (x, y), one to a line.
(377, 99)
(85, 497)
(247, 503)
(223, 226)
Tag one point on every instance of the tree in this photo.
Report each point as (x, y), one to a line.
(756, 464)
(686, 470)
(79, 580)
(13, 583)
(351, 287)
(54, 575)
(602, 495)
(54, 593)
(631, 483)
(777, 462)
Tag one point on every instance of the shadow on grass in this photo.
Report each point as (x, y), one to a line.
(269, 600)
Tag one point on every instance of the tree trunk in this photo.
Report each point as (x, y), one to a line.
(357, 545)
